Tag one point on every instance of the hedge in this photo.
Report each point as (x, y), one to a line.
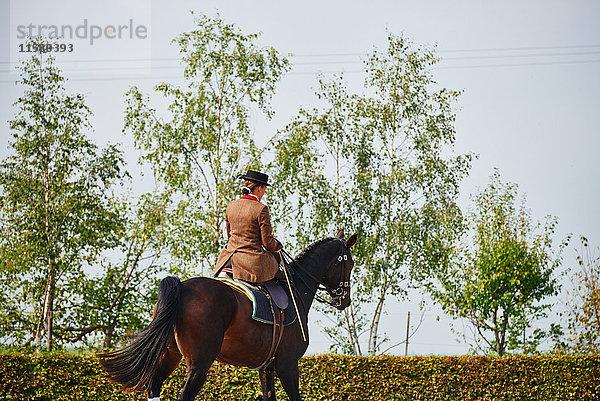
(62, 376)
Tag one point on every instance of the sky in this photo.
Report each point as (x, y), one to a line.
(529, 72)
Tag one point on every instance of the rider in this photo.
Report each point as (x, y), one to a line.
(251, 246)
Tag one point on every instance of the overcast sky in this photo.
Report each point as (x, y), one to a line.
(529, 71)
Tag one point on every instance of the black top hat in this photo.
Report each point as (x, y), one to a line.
(255, 176)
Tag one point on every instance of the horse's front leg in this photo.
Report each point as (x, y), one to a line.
(289, 377)
(267, 383)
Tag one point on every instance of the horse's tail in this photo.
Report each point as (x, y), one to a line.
(134, 366)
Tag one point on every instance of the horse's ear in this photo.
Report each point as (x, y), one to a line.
(351, 241)
(340, 235)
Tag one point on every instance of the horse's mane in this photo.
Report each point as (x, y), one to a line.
(310, 248)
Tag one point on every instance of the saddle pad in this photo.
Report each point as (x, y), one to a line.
(261, 309)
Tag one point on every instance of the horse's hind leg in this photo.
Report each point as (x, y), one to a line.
(289, 378)
(267, 383)
(200, 344)
(196, 377)
(199, 333)
(167, 365)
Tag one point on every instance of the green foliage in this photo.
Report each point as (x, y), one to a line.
(119, 298)
(499, 280)
(380, 162)
(547, 377)
(57, 209)
(583, 314)
(206, 141)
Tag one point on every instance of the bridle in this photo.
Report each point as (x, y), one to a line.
(338, 293)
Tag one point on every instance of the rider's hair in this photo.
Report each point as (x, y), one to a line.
(248, 186)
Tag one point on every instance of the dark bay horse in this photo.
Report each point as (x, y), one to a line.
(204, 320)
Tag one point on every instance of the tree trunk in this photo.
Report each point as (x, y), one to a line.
(109, 334)
(38, 330)
(351, 328)
(50, 312)
(373, 330)
(49, 293)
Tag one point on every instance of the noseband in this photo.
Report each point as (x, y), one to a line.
(339, 293)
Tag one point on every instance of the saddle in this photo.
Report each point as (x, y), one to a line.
(267, 299)
(270, 305)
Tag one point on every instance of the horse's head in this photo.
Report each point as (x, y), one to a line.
(337, 278)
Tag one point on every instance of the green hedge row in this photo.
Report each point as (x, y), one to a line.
(328, 377)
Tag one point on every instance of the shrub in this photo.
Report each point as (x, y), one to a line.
(62, 376)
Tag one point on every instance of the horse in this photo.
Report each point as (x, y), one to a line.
(203, 319)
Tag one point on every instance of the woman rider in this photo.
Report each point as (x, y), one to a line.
(251, 245)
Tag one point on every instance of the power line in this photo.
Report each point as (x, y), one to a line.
(518, 64)
(114, 69)
(491, 49)
(520, 56)
(314, 72)
(500, 49)
(328, 55)
(180, 67)
(466, 57)
(521, 48)
(358, 61)
(118, 60)
(132, 78)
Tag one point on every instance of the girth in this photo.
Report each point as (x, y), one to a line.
(264, 310)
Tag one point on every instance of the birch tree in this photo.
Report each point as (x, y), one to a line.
(57, 210)
(206, 141)
(388, 170)
(312, 176)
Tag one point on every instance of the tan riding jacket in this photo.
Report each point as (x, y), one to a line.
(250, 237)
